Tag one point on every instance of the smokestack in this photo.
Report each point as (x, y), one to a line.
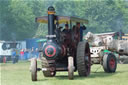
(51, 12)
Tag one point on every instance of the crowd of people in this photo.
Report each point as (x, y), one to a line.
(28, 53)
(24, 54)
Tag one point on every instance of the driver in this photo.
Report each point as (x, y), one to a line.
(67, 35)
(66, 29)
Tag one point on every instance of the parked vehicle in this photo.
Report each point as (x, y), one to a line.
(6, 48)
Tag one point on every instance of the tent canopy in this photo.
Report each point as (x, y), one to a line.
(41, 40)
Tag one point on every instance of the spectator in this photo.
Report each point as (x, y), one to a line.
(13, 54)
(17, 55)
(25, 54)
(36, 53)
(29, 53)
(32, 52)
(22, 54)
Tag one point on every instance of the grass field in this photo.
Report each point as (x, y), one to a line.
(19, 74)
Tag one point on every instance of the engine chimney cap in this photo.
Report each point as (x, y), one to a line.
(51, 8)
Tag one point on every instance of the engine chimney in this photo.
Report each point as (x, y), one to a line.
(51, 27)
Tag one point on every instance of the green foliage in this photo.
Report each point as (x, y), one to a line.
(17, 17)
(24, 18)
(123, 7)
(103, 16)
(5, 19)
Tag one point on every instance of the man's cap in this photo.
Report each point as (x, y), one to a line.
(66, 25)
(77, 22)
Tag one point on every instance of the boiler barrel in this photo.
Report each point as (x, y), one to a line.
(120, 46)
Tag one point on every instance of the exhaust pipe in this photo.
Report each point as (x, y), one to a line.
(51, 20)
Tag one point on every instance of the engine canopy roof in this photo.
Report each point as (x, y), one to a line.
(61, 19)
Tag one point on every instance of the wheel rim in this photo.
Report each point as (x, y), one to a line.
(112, 63)
(87, 59)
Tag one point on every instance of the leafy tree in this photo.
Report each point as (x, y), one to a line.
(123, 7)
(17, 18)
(5, 20)
(23, 18)
(103, 16)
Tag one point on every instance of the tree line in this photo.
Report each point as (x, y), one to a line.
(17, 17)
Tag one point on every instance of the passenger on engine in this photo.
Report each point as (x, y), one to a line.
(66, 35)
(80, 28)
(66, 29)
(58, 33)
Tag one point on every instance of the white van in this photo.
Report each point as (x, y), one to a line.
(7, 46)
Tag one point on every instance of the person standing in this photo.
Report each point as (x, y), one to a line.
(13, 56)
(25, 54)
(22, 54)
(32, 52)
(81, 28)
(37, 53)
(17, 55)
(66, 29)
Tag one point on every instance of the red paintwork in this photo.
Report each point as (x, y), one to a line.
(112, 63)
(54, 50)
(63, 50)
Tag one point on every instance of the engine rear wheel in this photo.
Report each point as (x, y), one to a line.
(109, 63)
(33, 69)
(70, 68)
(83, 59)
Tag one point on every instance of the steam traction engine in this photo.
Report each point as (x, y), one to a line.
(62, 52)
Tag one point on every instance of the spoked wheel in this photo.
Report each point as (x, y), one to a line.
(70, 68)
(48, 72)
(109, 63)
(33, 69)
(83, 59)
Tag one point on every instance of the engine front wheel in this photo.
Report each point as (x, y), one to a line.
(70, 68)
(33, 69)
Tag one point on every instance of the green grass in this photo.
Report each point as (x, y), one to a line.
(19, 74)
